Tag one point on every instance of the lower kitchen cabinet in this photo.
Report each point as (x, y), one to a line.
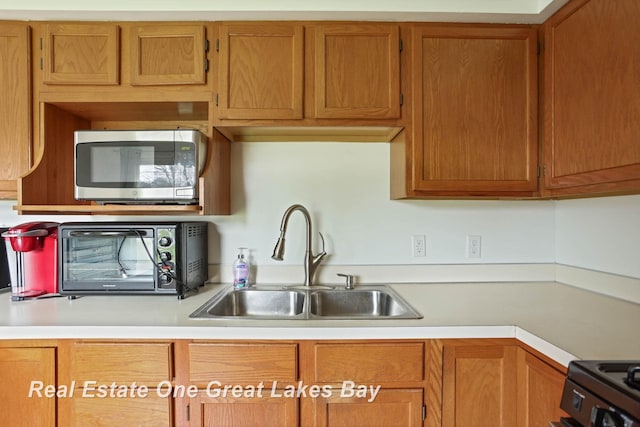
(110, 379)
(83, 410)
(539, 391)
(391, 407)
(494, 383)
(371, 383)
(479, 385)
(327, 383)
(20, 367)
(266, 411)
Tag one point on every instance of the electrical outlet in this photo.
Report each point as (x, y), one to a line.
(419, 245)
(474, 246)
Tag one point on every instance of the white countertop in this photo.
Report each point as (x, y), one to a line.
(560, 321)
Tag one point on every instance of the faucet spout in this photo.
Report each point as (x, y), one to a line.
(311, 261)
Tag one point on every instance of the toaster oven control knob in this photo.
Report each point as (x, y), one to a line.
(165, 278)
(165, 256)
(165, 241)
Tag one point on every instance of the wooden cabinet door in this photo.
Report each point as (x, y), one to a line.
(479, 386)
(81, 54)
(15, 105)
(168, 54)
(19, 367)
(357, 71)
(207, 410)
(392, 407)
(539, 391)
(90, 409)
(474, 110)
(592, 98)
(108, 378)
(260, 72)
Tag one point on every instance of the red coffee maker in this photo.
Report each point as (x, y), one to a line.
(32, 253)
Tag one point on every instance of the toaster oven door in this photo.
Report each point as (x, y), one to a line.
(108, 260)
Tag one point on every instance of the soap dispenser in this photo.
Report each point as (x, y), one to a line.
(241, 271)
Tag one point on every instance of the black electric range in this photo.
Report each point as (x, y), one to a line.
(600, 393)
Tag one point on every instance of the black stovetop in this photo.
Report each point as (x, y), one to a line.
(608, 379)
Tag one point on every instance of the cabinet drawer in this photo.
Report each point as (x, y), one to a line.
(144, 363)
(242, 363)
(375, 362)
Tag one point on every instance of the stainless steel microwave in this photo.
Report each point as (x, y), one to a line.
(132, 257)
(139, 166)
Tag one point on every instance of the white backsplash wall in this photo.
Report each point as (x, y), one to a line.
(601, 234)
(345, 186)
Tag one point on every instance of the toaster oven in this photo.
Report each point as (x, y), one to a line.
(132, 257)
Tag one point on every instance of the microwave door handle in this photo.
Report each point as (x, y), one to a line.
(128, 233)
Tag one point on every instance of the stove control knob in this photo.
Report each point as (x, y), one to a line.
(602, 417)
(576, 401)
(165, 256)
(165, 241)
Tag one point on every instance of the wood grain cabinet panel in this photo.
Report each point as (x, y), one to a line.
(391, 407)
(539, 391)
(15, 105)
(108, 377)
(250, 363)
(474, 98)
(592, 98)
(382, 363)
(19, 366)
(266, 411)
(357, 71)
(168, 54)
(260, 71)
(149, 411)
(479, 386)
(81, 54)
(144, 363)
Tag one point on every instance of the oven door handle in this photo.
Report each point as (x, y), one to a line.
(125, 233)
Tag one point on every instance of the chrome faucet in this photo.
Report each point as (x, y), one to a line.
(311, 261)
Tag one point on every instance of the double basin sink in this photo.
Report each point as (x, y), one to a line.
(295, 303)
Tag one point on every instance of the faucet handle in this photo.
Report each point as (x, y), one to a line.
(322, 238)
(349, 280)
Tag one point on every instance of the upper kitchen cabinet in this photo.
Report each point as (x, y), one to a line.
(308, 81)
(474, 114)
(168, 54)
(113, 76)
(15, 105)
(81, 54)
(260, 71)
(357, 71)
(592, 99)
(123, 55)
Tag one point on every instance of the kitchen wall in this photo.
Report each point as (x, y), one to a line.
(345, 186)
(602, 234)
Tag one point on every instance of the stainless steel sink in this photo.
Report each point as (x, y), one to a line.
(254, 303)
(374, 302)
(279, 302)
